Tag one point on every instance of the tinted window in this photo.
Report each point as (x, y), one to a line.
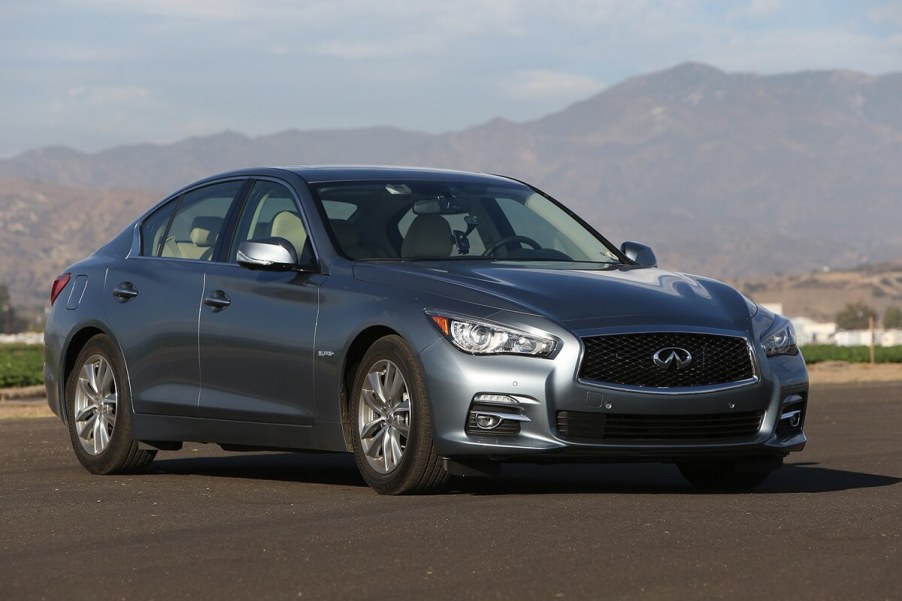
(198, 222)
(270, 211)
(457, 223)
(153, 228)
(429, 220)
(336, 209)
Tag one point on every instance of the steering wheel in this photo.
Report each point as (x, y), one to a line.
(504, 241)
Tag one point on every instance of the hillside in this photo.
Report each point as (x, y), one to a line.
(821, 294)
(728, 175)
(44, 227)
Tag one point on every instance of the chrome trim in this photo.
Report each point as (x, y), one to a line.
(679, 356)
(514, 417)
(672, 391)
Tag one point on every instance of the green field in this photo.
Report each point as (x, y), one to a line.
(817, 353)
(21, 365)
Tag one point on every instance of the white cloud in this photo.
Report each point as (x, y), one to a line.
(764, 8)
(107, 94)
(373, 49)
(198, 9)
(887, 14)
(177, 65)
(790, 50)
(542, 86)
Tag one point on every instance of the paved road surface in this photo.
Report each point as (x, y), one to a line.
(206, 524)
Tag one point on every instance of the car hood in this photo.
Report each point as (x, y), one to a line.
(579, 298)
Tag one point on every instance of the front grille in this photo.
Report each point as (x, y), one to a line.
(628, 359)
(602, 426)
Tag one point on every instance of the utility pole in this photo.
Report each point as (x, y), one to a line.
(871, 328)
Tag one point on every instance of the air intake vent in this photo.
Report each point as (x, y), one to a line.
(601, 426)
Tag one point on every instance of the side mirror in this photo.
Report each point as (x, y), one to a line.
(640, 254)
(267, 253)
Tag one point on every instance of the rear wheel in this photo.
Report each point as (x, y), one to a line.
(721, 475)
(391, 422)
(99, 411)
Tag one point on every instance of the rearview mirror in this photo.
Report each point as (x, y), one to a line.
(639, 253)
(267, 253)
(440, 205)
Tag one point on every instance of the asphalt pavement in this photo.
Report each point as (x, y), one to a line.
(207, 524)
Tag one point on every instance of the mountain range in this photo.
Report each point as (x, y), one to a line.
(725, 174)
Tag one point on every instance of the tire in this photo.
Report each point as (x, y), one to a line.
(721, 476)
(99, 411)
(391, 422)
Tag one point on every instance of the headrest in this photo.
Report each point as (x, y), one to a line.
(429, 236)
(205, 230)
(288, 225)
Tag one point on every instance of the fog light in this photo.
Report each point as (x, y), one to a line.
(486, 421)
(498, 413)
(793, 418)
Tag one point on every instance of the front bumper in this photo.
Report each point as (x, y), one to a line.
(559, 418)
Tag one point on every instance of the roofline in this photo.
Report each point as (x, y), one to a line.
(333, 173)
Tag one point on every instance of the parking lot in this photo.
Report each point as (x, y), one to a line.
(204, 524)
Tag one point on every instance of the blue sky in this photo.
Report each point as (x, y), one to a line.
(92, 74)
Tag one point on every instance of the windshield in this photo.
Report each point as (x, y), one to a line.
(429, 220)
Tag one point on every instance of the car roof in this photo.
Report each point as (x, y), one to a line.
(314, 174)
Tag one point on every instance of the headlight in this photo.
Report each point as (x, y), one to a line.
(781, 340)
(775, 332)
(480, 337)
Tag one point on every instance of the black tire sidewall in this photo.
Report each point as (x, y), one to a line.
(121, 446)
(419, 450)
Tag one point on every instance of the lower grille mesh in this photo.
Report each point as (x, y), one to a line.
(601, 426)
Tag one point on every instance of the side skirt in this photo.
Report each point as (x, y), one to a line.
(161, 431)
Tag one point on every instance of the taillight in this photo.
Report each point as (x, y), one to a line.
(58, 284)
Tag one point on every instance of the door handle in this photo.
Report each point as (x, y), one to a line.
(218, 300)
(125, 292)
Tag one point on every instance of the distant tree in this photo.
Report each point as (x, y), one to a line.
(11, 319)
(854, 316)
(7, 313)
(892, 318)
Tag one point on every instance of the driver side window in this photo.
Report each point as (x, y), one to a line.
(270, 212)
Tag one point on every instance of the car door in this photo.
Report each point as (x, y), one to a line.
(153, 299)
(257, 327)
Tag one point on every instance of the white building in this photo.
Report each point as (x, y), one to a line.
(863, 337)
(809, 331)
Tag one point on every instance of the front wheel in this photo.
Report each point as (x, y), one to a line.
(391, 422)
(99, 411)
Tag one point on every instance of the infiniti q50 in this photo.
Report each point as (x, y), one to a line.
(433, 323)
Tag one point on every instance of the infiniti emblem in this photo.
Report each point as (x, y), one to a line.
(672, 357)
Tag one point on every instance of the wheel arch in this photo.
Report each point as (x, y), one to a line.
(356, 350)
(73, 348)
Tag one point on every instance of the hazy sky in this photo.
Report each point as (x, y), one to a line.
(91, 74)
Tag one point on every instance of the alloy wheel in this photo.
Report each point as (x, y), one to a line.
(384, 413)
(95, 404)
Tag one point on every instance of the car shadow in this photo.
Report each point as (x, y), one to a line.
(314, 468)
(662, 479)
(521, 479)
